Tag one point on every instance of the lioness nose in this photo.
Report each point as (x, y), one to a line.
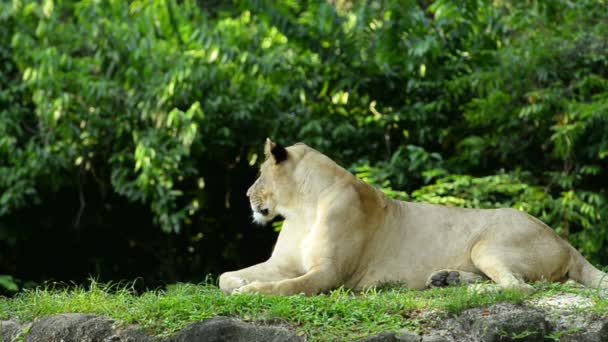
(249, 191)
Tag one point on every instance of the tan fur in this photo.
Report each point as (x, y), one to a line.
(340, 231)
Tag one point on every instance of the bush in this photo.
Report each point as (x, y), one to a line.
(120, 118)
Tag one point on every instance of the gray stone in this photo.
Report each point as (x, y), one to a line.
(593, 332)
(407, 336)
(223, 329)
(499, 322)
(10, 330)
(130, 334)
(437, 336)
(505, 322)
(402, 336)
(57, 328)
(77, 328)
(382, 337)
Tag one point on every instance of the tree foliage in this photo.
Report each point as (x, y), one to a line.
(157, 110)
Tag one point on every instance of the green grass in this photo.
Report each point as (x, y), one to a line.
(337, 315)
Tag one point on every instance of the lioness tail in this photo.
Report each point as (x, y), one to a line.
(585, 273)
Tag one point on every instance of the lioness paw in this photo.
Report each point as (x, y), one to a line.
(230, 282)
(257, 287)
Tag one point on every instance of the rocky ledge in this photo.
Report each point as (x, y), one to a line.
(558, 318)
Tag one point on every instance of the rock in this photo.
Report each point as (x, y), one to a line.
(562, 301)
(566, 313)
(557, 318)
(222, 329)
(382, 337)
(57, 328)
(593, 332)
(505, 322)
(407, 336)
(10, 330)
(77, 328)
(402, 336)
(438, 336)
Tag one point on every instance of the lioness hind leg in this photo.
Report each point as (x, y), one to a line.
(501, 274)
(449, 277)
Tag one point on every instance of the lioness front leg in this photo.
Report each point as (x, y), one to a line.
(316, 280)
(330, 249)
(263, 272)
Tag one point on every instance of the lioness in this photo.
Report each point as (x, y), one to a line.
(340, 231)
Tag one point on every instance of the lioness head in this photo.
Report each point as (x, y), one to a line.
(271, 189)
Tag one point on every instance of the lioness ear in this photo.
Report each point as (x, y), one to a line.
(278, 152)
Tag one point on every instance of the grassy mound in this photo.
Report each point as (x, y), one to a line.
(339, 314)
